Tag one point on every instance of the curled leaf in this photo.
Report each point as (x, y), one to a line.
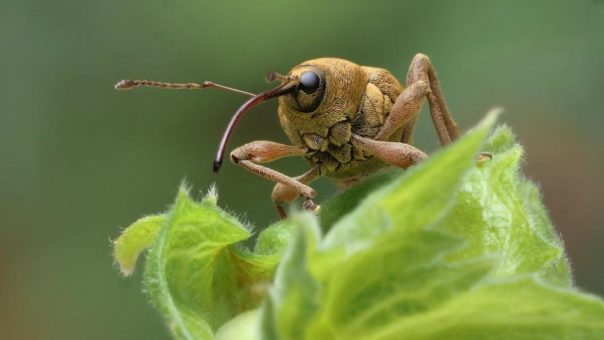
(198, 273)
(135, 239)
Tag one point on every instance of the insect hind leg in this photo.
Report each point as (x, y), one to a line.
(421, 69)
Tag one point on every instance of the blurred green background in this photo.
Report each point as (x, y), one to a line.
(80, 160)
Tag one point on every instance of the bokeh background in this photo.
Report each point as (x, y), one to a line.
(80, 160)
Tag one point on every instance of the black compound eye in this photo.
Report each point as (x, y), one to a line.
(309, 82)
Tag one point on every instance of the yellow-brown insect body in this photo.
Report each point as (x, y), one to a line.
(351, 99)
(346, 120)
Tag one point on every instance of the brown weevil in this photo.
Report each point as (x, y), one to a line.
(346, 120)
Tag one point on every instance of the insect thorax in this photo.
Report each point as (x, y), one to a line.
(327, 136)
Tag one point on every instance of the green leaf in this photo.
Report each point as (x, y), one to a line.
(198, 275)
(344, 202)
(274, 239)
(360, 302)
(242, 327)
(294, 294)
(521, 308)
(499, 212)
(134, 240)
(453, 248)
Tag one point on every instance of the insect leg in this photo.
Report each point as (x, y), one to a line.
(404, 111)
(394, 153)
(283, 193)
(421, 69)
(250, 155)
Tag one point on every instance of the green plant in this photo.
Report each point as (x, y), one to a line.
(451, 248)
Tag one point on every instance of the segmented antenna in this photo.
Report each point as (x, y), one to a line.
(129, 84)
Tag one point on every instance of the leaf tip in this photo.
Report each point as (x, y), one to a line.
(212, 196)
(184, 189)
(125, 263)
(134, 240)
(126, 271)
(489, 120)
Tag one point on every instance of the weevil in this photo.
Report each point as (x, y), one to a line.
(347, 120)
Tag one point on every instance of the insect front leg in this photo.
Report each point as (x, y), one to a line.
(250, 155)
(283, 194)
(421, 69)
(394, 153)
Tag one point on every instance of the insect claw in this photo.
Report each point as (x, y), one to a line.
(310, 205)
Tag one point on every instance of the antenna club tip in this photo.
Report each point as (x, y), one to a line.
(216, 166)
(124, 85)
